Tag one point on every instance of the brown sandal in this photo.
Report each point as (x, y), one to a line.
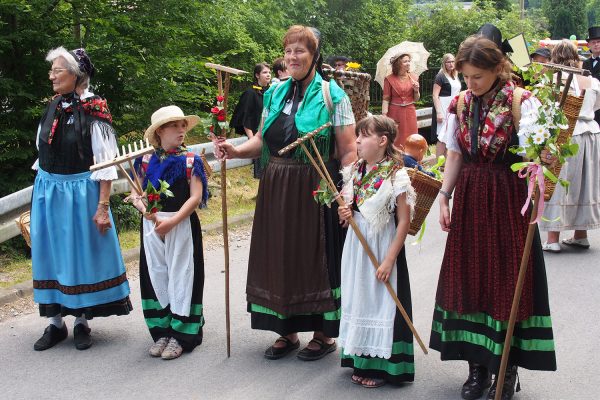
(307, 354)
(376, 383)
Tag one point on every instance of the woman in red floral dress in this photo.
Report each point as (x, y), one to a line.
(486, 231)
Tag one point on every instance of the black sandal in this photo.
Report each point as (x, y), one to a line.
(307, 354)
(275, 353)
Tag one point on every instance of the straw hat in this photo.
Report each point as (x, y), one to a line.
(164, 115)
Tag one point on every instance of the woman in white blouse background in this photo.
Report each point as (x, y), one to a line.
(577, 209)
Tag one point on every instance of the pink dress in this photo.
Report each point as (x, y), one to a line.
(400, 94)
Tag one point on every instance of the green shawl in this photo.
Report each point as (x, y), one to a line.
(311, 114)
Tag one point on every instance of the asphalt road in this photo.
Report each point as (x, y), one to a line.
(118, 365)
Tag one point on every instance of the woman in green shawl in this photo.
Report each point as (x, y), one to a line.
(295, 253)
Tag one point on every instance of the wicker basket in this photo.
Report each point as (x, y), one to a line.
(207, 168)
(356, 85)
(571, 109)
(23, 224)
(427, 189)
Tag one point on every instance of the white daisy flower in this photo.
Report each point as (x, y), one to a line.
(538, 139)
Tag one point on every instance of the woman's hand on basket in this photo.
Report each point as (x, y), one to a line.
(444, 214)
(548, 159)
(345, 213)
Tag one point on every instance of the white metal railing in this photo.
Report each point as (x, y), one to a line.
(11, 205)
(14, 203)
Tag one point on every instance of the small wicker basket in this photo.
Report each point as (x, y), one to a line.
(23, 224)
(207, 168)
(427, 189)
(356, 85)
(571, 108)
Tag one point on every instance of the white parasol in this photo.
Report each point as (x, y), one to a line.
(418, 62)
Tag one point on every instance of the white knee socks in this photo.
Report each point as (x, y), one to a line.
(81, 320)
(57, 321)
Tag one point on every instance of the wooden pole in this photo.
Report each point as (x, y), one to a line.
(224, 219)
(136, 178)
(517, 295)
(223, 90)
(322, 170)
(131, 182)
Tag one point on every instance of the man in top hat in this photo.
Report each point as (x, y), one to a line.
(593, 63)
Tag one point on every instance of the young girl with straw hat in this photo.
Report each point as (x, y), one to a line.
(171, 259)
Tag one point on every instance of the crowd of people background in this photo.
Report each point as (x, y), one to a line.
(306, 271)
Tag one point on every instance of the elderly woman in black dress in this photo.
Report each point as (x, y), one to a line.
(76, 260)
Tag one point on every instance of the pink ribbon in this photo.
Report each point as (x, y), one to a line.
(535, 173)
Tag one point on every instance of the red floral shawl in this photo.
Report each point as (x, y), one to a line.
(496, 128)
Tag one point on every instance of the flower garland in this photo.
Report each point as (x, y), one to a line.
(219, 124)
(543, 135)
(217, 130)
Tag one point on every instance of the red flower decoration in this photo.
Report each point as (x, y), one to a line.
(154, 210)
(377, 184)
(220, 98)
(220, 117)
(214, 110)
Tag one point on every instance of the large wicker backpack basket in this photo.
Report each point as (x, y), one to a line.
(356, 85)
(427, 189)
(571, 108)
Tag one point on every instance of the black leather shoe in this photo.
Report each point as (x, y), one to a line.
(479, 379)
(81, 337)
(508, 389)
(52, 336)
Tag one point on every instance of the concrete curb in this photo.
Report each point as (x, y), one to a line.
(24, 289)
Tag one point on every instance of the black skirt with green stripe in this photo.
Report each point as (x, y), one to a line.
(479, 338)
(161, 322)
(264, 318)
(400, 367)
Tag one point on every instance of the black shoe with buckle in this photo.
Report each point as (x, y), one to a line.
(479, 379)
(508, 389)
(51, 337)
(81, 337)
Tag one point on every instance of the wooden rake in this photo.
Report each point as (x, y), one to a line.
(322, 170)
(223, 83)
(125, 156)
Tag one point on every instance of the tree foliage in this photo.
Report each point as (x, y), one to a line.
(566, 17)
(152, 53)
(442, 26)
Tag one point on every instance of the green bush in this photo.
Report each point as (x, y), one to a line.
(126, 216)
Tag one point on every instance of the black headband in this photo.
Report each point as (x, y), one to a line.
(83, 61)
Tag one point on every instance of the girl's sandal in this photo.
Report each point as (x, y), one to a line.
(374, 383)
(357, 380)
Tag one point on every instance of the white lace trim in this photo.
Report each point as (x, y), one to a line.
(365, 333)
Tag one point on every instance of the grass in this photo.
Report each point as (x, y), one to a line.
(241, 194)
(14, 271)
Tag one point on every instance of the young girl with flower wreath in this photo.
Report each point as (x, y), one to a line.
(375, 340)
(171, 257)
